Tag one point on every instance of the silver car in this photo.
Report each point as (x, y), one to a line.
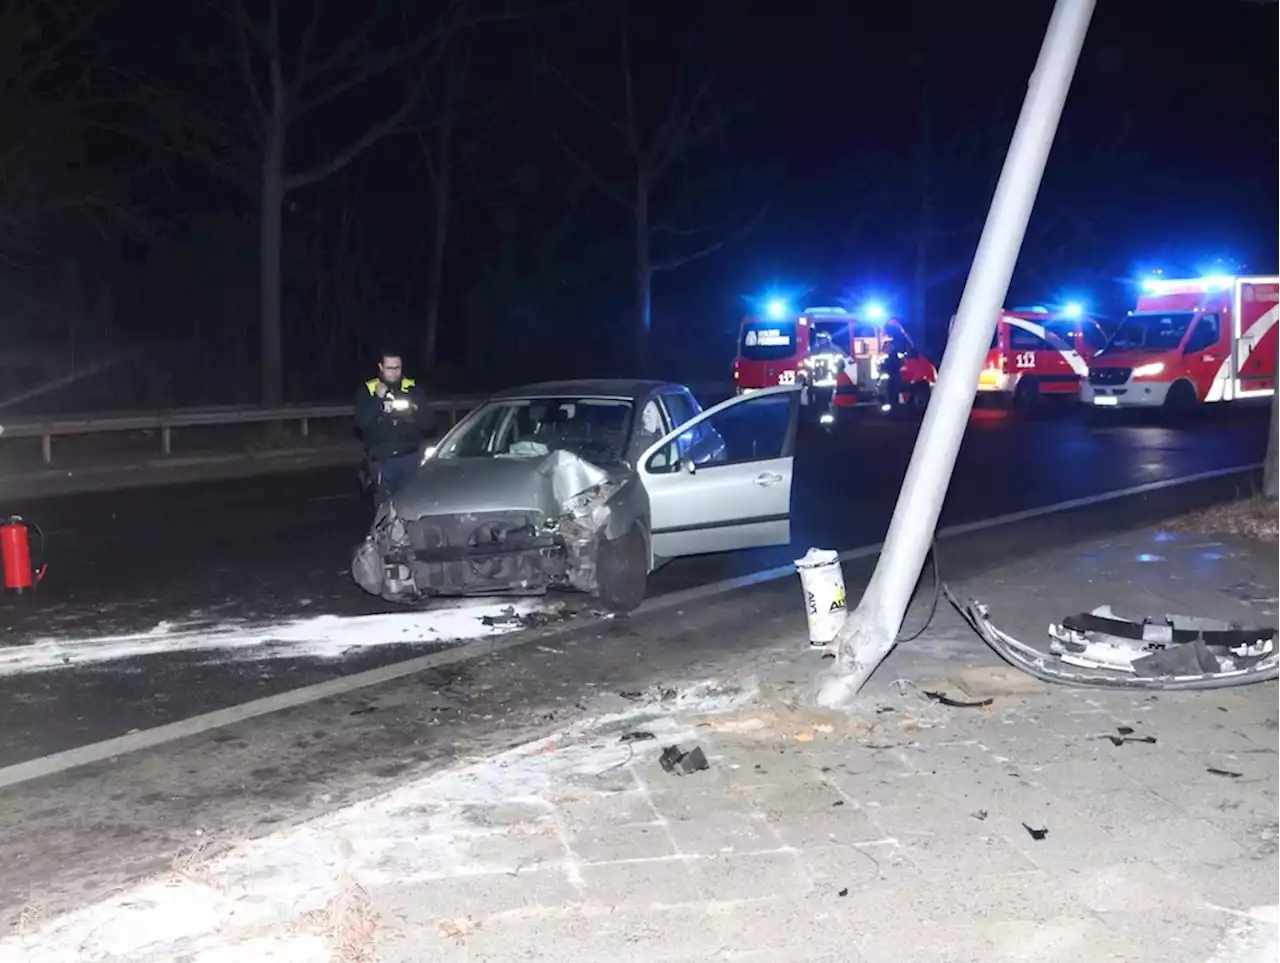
(585, 485)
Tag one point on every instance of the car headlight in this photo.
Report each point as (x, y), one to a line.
(1148, 370)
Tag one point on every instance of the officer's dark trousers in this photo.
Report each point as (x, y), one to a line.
(390, 474)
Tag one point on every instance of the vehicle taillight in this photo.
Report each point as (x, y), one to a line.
(736, 363)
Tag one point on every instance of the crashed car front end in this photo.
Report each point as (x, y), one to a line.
(551, 541)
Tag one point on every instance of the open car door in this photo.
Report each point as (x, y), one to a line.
(722, 481)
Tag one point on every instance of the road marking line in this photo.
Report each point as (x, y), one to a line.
(111, 749)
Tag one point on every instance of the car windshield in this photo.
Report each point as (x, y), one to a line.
(594, 429)
(1157, 331)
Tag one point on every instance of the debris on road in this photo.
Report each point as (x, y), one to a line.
(1177, 652)
(1223, 772)
(946, 700)
(980, 815)
(639, 735)
(680, 763)
(1125, 734)
(1036, 833)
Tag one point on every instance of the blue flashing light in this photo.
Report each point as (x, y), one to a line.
(776, 309)
(1218, 282)
(874, 311)
(1073, 309)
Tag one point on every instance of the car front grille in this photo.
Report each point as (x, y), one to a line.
(1109, 376)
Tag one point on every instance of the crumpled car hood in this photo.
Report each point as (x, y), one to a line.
(466, 485)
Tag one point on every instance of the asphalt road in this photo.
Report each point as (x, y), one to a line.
(278, 547)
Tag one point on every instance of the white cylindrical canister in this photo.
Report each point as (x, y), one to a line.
(822, 580)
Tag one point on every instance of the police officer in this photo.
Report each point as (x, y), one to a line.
(394, 421)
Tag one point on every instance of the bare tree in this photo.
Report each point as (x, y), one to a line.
(294, 70)
(655, 139)
(45, 95)
(450, 139)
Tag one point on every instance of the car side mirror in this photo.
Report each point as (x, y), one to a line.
(687, 464)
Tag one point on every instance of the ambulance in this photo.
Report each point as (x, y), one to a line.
(781, 348)
(1189, 342)
(1038, 353)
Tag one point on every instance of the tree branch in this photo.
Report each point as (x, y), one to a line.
(340, 160)
(672, 264)
(615, 194)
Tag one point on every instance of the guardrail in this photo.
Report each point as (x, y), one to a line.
(167, 422)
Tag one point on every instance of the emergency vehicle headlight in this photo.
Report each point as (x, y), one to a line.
(1148, 370)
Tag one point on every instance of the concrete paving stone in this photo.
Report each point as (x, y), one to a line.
(1074, 844)
(951, 943)
(983, 682)
(609, 843)
(976, 849)
(858, 760)
(1180, 935)
(784, 927)
(639, 884)
(872, 792)
(1217, 798)
(1117, 809)
(957, 897)
(630, 808)
(756, 762)
(833, 868)
(835, 825)
(514, 850)
(418, 904)
(1135, 887)
(1237, 885)
(1256, 836)
(1185, 840)
(623, 935)
(779, 799)
(759, 876)
(726, 834)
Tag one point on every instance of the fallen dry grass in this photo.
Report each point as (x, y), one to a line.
(1253, 517)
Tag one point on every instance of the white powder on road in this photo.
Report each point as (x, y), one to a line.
(320, 637)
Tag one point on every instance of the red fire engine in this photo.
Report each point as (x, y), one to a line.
(1190, 341)
(783, 348)
(1038, 352)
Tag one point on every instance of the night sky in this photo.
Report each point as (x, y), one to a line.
(835, 115)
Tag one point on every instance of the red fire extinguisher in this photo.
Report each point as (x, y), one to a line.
(21, 572)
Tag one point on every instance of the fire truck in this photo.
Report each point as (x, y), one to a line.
(1037, 353)
(1190, 341)
(781, 348)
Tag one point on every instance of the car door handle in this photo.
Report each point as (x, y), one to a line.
(765, 479)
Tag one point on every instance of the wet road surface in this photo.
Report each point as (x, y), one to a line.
(278, 547)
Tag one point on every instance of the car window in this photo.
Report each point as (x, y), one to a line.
(595, 429)
(752, 430)
(680, 407)
(1020, 339)
(1205, 334)
(1094, 336)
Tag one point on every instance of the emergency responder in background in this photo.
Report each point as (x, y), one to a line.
(891, 374)
(394, 422)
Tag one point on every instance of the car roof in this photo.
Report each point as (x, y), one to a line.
(633, 388)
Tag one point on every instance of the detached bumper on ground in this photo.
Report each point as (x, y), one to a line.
(1097, 649)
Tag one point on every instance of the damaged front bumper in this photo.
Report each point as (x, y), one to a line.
(1098, 649)
(518, 552)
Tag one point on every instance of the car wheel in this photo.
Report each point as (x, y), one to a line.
(622, 571)
(1027, 395)
(1181, 400)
